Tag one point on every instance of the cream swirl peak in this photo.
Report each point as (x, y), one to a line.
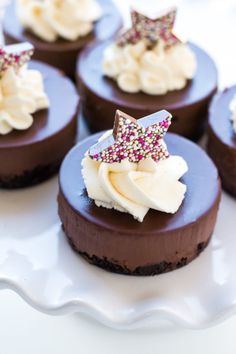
(149, 57)
(131, 170)
(21, 90)
(50, 19)
(232, 108)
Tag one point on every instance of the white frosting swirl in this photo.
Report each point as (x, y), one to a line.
(134, 188)
(21, 94)
(50, 19)
(155, 72)
(232, 108)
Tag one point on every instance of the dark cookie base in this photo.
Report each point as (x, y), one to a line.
(153, 269)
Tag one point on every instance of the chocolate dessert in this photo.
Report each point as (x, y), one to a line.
(222, 137)
(62, 53)
(162, 240)
(31, 155)
(101, 94)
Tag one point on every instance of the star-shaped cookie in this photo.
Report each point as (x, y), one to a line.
(133, 139)
(150, 30)
(15, 55)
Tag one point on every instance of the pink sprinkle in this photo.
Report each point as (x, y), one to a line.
(137, 35)
(164, 124)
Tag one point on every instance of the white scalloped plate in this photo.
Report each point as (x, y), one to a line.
(37, 262)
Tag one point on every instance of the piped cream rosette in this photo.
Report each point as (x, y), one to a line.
(50, 19)
(155, 72)
(21, 95)
(21, 90)
(149, 57)
(134, 188)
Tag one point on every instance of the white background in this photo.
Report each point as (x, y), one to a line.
(212, 24)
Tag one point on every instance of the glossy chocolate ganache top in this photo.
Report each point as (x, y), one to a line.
(90, 74)
(202, 181)
(63, 104)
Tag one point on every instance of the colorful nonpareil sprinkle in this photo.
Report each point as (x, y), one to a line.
(15, 55)
(133, 139)
(150, 30)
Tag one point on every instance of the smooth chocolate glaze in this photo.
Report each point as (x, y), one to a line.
(62, 54)
(100, 96)
(116, 241)
(222, 139)
(31, 155)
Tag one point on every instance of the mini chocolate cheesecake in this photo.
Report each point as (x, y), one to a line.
(163, 242)
(32, 155)
(62, 53)
(222, 138)
(101, 96)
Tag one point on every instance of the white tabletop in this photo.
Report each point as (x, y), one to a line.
(23, 330)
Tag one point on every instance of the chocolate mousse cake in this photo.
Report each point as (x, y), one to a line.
(222, 137)
(38, 118)
(69, 28)
(140, 75)
(125, 209)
